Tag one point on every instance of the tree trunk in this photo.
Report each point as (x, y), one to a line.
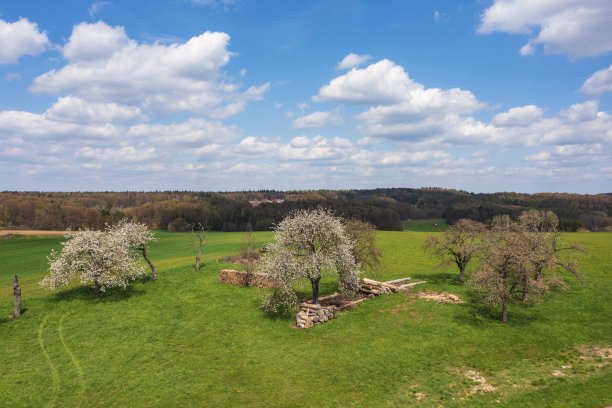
(153, 271)
(96, 288)
(525, 294)
(17, 293)
(462, 273)
(504, 312)
(315, 290)
(197, 266)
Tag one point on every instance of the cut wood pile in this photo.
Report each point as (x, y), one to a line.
(329, 306)
(440, 297)
(241, 278)
(372, 287)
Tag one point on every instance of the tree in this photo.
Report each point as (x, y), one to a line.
(510, 259)
(198, 231)
(541, 228)
(460, 242)
(103, 258)
(137, 236)
(311, 244)
(366, 253)
(249, 256)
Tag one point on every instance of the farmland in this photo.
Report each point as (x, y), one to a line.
(188, 340)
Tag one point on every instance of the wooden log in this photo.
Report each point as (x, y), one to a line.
(410, 285)
(393, 282)
(17, 294)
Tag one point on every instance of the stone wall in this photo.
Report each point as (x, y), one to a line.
(234, 277)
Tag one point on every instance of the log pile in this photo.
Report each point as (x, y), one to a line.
(241, 278)
(375, 288)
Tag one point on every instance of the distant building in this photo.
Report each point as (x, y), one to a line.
(257, 203)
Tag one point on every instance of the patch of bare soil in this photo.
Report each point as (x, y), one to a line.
(440, 297)
(482, 385)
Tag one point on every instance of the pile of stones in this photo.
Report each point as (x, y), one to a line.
(311, 314)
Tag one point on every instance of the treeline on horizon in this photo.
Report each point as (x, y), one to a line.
(386, 208)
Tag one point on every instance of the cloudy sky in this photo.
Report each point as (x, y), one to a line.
(482, 95)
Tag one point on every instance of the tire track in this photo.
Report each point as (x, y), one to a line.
(60, 330)
(54, 373)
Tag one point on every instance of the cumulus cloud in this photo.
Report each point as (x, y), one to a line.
(318, 119)
(352, 60)
(20, 38)
(77, 110)
(599, 83)
(194, 132)
(521, 116)
(104, 65)
(576, 28)
(381, 83)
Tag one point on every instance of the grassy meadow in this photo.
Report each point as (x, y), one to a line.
(425, 225)
(188, 341)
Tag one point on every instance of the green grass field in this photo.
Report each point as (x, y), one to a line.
(425, 225)
(187, 340)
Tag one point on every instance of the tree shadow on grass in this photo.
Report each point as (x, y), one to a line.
(438, 278)
(86, 293)
(478, 314)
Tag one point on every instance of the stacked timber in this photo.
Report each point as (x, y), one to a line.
(372, 287)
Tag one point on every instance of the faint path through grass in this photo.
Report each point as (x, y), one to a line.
(54, 374)
(72, 357)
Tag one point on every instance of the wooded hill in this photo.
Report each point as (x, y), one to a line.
(233, 211)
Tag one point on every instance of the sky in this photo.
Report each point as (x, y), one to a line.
(226, 95)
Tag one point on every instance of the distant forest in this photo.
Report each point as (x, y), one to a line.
(385, 208)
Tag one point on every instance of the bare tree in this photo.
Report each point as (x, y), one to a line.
(510, 258)
(249, 256)
(198, 232)
(458, 244)
(367, 255)
(541, 230)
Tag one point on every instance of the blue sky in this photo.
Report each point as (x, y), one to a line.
(483, 96)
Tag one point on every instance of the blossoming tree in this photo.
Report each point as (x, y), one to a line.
(311, 244)
(102, 258)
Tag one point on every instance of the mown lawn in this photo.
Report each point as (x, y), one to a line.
(187, 340)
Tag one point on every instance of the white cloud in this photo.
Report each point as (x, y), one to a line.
(95, 42)
(576, 28)
(381, 83)
(114, 155)
(96, 7)
(106, 66)
(20, 38)
(598, 83)
(316, 148)
(522, 116)
(318, 119)
(72, 109)
(194, 132)
(13, 76)
(352, 60)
